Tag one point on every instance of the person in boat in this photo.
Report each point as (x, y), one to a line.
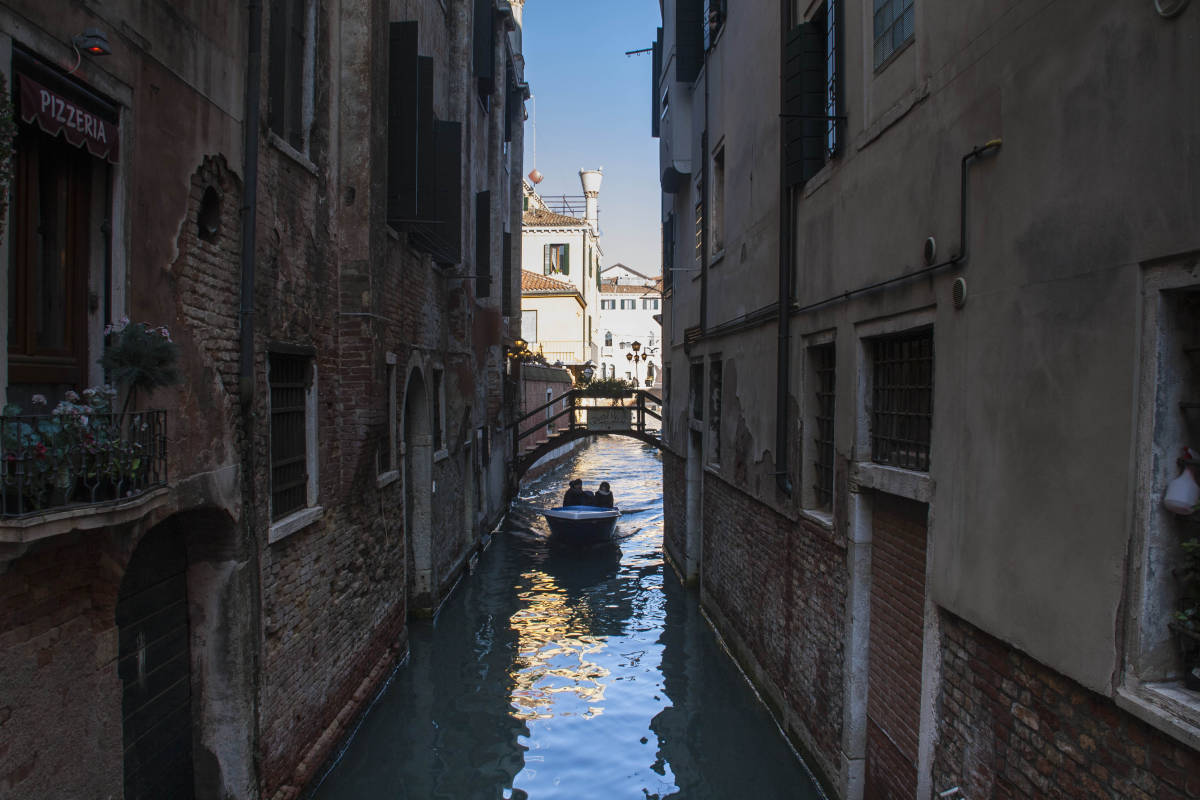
(576, 496)
(603, 497)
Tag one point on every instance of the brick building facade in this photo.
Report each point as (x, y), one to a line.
(924, 393)
(333, 452)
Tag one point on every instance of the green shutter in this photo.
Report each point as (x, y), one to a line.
(566, 259)
(545, 259)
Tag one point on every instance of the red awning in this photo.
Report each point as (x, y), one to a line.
(57, 114)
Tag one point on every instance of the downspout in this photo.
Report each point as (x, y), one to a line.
(250, 209)
(783, 365)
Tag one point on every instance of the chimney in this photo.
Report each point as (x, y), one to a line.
(590, 178)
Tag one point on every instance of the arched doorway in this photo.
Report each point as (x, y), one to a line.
(187, 629)
(418, 484)
(154, 664)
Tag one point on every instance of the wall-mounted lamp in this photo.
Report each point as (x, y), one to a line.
(93, 42)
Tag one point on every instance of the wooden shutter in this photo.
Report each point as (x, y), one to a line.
(689, 39)
(566, 259)
(483, 244)
(655, 73)
(506, 276)
(668, 247)
(546, 259)
(448, 155)
(804, 98)
(426, 144)
(485, 49)
(403, 95)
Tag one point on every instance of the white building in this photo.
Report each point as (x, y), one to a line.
(630, 312)
(566, 248)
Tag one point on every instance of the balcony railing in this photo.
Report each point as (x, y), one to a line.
(51, 462)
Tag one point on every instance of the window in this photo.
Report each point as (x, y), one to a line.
(656, 50)
(696, 389)
(813, 98)
(668, 250)
(902, 400)
(689, 39)
(506, 275)
(608, 304)
(549, 411)
(822, 359)
(650, 305)
(628, 305)
(439, 411)
(712, 20)
(48, 278)
(529, 324)
(291, 377)
(484, 52)
(387, 442)
(715, 376)
(717, 223)
(893, 27)
(608, 338)
(291, 70)
(556, 259)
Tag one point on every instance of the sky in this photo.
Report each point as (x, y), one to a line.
(591, 108)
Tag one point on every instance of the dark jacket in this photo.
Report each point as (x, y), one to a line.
(603, 499)
(577, 497)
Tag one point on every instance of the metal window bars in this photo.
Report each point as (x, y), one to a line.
(902, 400)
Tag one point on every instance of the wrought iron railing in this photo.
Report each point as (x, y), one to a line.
(54, 461)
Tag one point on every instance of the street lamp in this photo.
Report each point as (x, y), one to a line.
(636, 359)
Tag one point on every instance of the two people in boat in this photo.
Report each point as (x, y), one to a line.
(576, 496)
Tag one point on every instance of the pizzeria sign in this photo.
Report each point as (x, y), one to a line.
(55, 114)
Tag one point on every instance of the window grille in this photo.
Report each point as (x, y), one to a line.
(823, 358)
(715, 377)
(289, 382)
(696, 389)
(893, 27)
(902, 400)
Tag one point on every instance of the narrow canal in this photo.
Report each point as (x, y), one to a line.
(553, 673)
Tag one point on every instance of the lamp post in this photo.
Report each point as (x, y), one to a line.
(636, 357)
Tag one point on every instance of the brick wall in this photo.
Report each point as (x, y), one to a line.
(896, 641)
(781, 586)
(1010, 727)
(674, 507)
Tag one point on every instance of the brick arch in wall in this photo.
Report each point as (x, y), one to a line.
(186, 615)
(206, 273)
(417, 453)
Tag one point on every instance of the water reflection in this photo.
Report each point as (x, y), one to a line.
(561, 673)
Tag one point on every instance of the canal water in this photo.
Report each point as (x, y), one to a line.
(573, 674)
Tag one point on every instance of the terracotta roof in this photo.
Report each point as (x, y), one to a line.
(533, 282)
(610, 286)
(537, 216)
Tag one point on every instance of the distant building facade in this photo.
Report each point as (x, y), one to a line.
(201, 595)
(630, 311)
(566, 248)
(551, 311)
(930, 330)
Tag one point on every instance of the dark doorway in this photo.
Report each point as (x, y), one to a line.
(155, 669)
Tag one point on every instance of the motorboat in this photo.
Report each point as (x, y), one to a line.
(582, 524)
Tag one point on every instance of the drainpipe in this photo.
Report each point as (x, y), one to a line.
(783, 367)
(250, 207)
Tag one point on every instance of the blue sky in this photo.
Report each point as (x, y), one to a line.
(592, 105)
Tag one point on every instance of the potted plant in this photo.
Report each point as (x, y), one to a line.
(139, 357)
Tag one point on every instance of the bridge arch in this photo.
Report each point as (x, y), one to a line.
(626, 416)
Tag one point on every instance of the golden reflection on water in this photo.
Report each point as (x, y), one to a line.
(553, 643)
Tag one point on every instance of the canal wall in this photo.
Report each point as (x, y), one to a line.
(776, 590)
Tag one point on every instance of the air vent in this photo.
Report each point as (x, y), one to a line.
(959, 292)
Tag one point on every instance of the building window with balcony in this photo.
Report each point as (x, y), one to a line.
(894, 21)
(556, 259)
(292, 379)
(902, 400)
(291, 71)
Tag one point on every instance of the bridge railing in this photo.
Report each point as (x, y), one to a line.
(613, 412)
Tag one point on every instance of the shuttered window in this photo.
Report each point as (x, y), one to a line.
(405, 100)
(289, 74)
(812, 93)
(485, 49)
(483, 244)
(556, 259)
(689, 39)
(655, 74)
(506, 276)
(290, 378)
(668, 250)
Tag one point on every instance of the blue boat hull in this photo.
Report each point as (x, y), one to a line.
(582, 524)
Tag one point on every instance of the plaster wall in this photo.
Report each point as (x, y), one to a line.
(560, 321)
